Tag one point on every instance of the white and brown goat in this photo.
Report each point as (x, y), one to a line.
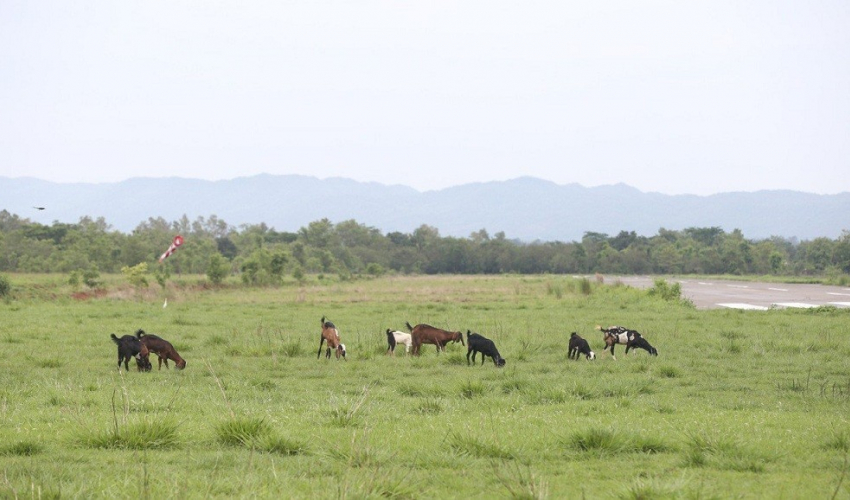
(330, 333)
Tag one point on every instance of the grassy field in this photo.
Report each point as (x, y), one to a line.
(738, 404)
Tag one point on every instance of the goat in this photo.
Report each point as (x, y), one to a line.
(578, 345)
(397, 337)
(427, 334)
(130, 347)
(162, 348)
(477, 343)
(614, 335)
(330, 333)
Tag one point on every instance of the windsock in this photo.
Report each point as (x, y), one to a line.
(175, 244)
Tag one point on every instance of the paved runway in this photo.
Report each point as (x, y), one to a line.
(711, 294)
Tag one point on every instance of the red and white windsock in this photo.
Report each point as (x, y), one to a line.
(175, 244)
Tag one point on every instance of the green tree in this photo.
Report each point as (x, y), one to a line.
(218, 268)
(136, 275)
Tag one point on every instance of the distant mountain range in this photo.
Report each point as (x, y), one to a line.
(526, 208)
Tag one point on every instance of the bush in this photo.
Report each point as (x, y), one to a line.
(667, 292)
(218, 268)
(90, 277)
(375, 269)
(75, 278)
(136, 275)
(5, 286)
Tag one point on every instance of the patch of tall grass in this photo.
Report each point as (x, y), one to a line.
(242, 431)
(605, 441)
(145, 434)
(465, 444)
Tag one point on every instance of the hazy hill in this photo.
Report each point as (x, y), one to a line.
(525, 208)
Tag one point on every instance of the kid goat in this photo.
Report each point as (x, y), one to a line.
(397, 337)
(331, 335)
(614, 335)
(578, 345)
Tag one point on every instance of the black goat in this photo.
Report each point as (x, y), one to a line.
(130, 347)
(477, 343)
(578, 345)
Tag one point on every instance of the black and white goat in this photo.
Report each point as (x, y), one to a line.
(397, 337)
(476, 343)
(579, 345)
(614, 335)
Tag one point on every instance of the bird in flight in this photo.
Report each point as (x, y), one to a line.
(38, 208)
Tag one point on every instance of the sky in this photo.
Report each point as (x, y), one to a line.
(675, 97)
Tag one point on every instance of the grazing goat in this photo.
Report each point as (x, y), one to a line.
(578, 345)
(162, 348)
(476, 343)
(397, 337)
(614, 335)
(427, 334)
(130, 347)
(331, 335)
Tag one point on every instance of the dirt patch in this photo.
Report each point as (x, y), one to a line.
(93, 294)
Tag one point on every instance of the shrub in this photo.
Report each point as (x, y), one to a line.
(136, 275)
(667, 292)
(91, 276)
(5, 286)
(218, 268)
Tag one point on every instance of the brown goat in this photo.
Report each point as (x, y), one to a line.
(427, 334)
(331, 335)
(162, 348)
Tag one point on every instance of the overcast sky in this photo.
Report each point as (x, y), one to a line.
(666, 96)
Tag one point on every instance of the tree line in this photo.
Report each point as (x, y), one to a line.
(261, 255)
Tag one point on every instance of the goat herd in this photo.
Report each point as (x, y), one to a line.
(142, 344)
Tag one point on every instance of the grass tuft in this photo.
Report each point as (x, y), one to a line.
(280, 446)
(606, 441)
(142, 435)
(467, 445)
(292, 349)
(245, 432)
(472, 389)
(669, 371)
(839, 440)
(595, 439)
(429, 406)
(521, 482)
(22, 449)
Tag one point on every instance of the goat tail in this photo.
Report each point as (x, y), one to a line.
(114, 338)
(599, 327)
(323, 321)
(139, 333)
(407, 323)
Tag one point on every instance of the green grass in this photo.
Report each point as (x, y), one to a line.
(758, 408)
